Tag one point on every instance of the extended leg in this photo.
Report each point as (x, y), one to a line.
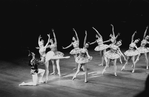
(102, 58)
(121, 60)
(78, 70)
(107, 62)
(125, 63)
(86, 72)
(58, 67)
(146, 60)
(133, 60)
(115, 67)
(53, 66)
(47, 71)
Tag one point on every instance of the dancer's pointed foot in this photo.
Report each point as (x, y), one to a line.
(133, 71)
(74, 68)
(146, 67)
(101, 64)
(115, 74)
(123, 68)
(86, 81)
(53, 73)
(103, 72)
(73, 78)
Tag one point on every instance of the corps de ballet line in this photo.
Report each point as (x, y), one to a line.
(109, 52)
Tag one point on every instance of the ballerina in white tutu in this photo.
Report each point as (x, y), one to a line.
(37, 73)
(132, 52)
(113, 54)
(101, 46)
(75, 51)
(82, 59)
(42, 48)
(75, 44)
(54, 55)
(143, 49)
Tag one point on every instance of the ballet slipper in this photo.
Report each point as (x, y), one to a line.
(53, 73)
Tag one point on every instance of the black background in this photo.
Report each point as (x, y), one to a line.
(22, 21)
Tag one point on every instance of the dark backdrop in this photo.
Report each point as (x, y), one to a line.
(22, 21)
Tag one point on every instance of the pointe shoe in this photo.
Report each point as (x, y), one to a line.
(59, 75)
(74, 68)
(115, 74)
(122, 68)
(86, 81)
(41, 82)
(53, 73)
(100, 64)
(146, 67)
(103, 72)
(21, 84)
(133, 71)
(73, 78)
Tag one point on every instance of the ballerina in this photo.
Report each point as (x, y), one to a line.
(37, 73)
(75, 45)
(132, 52)
(42, 48)
(82, 59)
(101, 46)
(54, 55)
(113, 54)
(143, 49)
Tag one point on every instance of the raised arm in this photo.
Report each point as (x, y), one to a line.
(113, 30)
(107, 41)
(76, 34)
(48, 40)
(93, 42)
(145, 32)
(117, 36)
(39, 38)
(133, 36)
(85, 38)
(67, 46)
(97, 32)
(55, 41)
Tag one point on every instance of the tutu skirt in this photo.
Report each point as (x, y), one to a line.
(75, 51)
(49, 56)
(58, 55)
(112, 55)
(101, 47)
(143, 50)
(132, 52)
(82, 60)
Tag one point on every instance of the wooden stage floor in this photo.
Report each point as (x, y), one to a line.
(126, 84)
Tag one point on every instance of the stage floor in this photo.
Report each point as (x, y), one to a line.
(126, 84)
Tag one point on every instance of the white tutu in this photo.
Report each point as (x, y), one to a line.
(75, 51)
(143, 50)
(131, 52)
(49, 55)
(111, 55)
(81, 60)
(101, 47)
(58, 55)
